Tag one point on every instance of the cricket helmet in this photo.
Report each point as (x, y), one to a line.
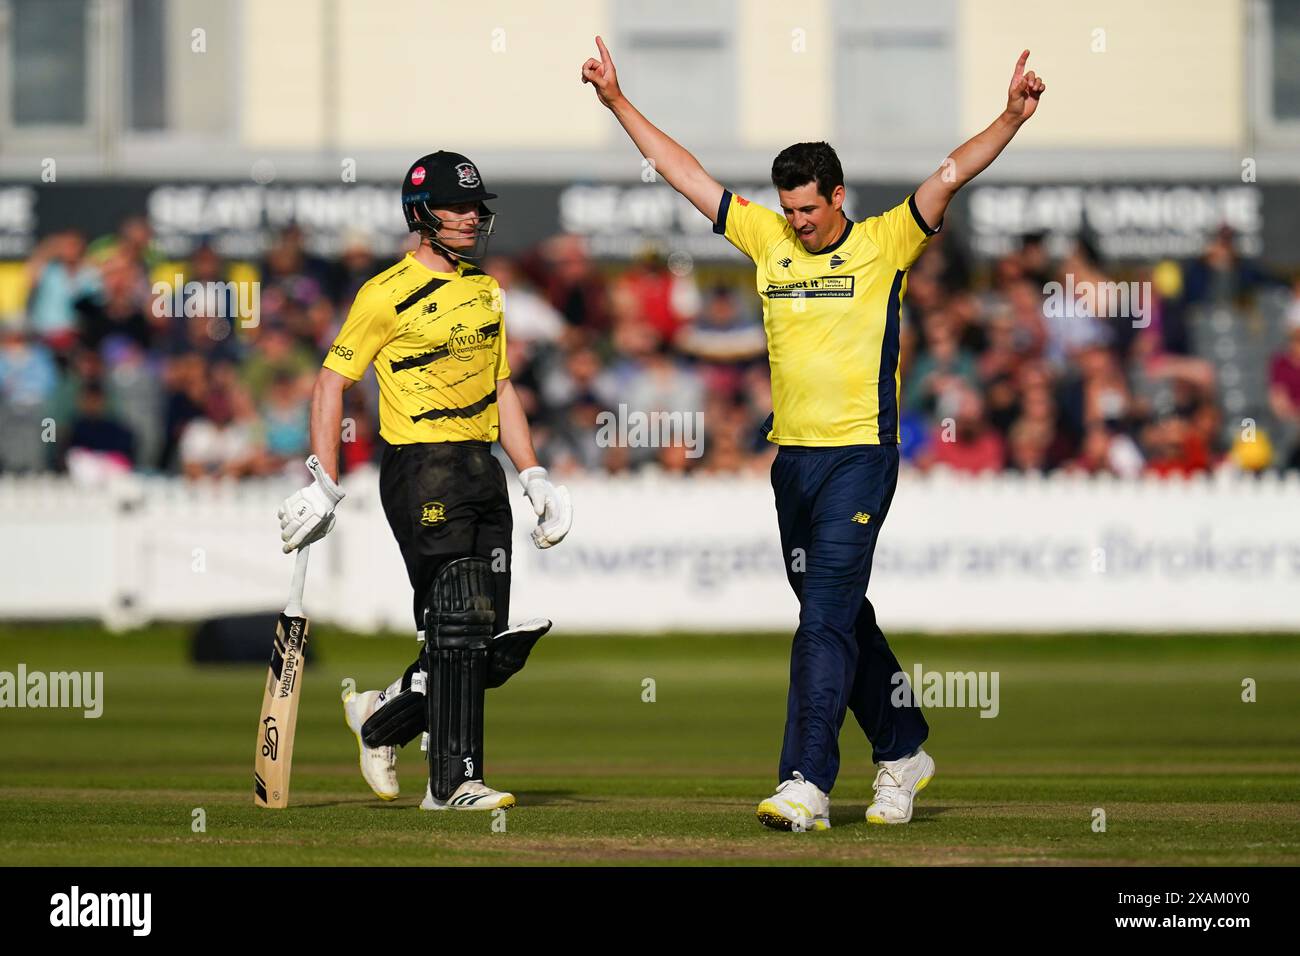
(444, 179)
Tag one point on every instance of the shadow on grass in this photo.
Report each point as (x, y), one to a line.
(853, 818)
(528, 798)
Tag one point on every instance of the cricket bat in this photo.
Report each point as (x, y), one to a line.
(280, 701)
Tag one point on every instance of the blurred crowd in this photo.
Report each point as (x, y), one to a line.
(103, 372)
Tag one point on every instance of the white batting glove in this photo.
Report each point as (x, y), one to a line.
(552, 505)
(306, 516)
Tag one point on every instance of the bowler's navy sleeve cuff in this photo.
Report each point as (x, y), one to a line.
(720, 227)
(916, 214)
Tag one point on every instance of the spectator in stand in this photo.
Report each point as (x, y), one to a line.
(663, 299)
(285, 413)
(1175, 447)
(29, 379)
(968, 443)
(1105, 451)
(1036, 260)
(573, 444)
(59, 275)
(661, 383)
(118, 309)
(575, 375)
(98, 444)
(206, 323)
(1039, 422)
(131, 380)
(1221, 276)
(360, 445)
(133, 241)
(1029, 329)
(532, 320)
(185, 390)
(564, 272)
(724, 341)
(1076, 313)
(217, 444)
(291, 280)
(672, 460)
(355, 266)
(1028, 445)
(1284, 382)
(1094, 453)
(275, 352)
(726, 428)
(943, 368)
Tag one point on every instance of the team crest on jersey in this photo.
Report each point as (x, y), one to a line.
(838, 260)
(432, 512)
(467, 175)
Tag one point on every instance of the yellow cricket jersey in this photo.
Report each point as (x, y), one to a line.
(438, 344)
(831, 320)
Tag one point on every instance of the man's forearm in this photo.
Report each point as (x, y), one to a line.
(964, 163)
(513, 432)
(976, 154)
(326, 425)
(670, 159)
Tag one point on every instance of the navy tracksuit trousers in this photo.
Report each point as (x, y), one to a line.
(830, 504)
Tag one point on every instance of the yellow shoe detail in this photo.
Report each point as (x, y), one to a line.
(770, 815)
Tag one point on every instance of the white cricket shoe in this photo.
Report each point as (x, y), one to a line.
(897, 784)
(470, 795)
(378, 764)
(796, 805)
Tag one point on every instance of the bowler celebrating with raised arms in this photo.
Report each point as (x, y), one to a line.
(832, 291)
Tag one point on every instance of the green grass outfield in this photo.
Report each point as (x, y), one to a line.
(1151, 729)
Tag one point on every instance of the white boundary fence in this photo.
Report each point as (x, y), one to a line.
(996, 553)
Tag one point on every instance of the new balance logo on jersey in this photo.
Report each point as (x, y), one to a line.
(861, 517)
(785, 263)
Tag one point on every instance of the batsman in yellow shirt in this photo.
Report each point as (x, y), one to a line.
(832, 290)
(433, 327)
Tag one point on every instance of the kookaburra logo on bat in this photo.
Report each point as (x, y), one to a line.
(270, 738)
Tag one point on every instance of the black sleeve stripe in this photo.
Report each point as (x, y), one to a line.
(468, 411)
(473, 272)
(916, 214)
(430, 286)
(720, 227)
